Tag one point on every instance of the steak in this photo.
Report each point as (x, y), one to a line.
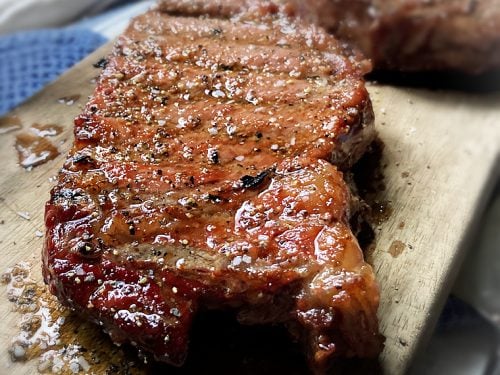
(406, 35)
(415, 35)
(207, 174)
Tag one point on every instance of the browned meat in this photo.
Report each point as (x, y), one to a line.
(201, 177)
(411, 35)
(407, 35)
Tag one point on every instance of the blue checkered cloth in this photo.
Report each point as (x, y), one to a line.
(29, 60)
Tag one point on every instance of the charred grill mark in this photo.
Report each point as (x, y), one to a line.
(83, 159)
(215, 198)
(102, 63)
(69, 194)
(252, 182)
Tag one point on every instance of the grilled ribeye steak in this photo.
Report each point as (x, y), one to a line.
(406, 35)
(412, 35)
(206, 174)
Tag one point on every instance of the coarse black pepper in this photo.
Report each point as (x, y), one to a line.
(101, 63)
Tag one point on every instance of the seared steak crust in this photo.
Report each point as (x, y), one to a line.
(201, 177)
(406, 35)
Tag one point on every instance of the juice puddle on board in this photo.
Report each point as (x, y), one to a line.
(49, 130)
(33, 150)
(33, 147)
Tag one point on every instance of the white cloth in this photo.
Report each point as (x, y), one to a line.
(18, 15)
(112, 23)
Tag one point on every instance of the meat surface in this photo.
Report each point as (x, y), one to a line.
(206, 173)
(414, 35)
(406, 35)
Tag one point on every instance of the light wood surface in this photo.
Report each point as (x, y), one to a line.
(441, 151)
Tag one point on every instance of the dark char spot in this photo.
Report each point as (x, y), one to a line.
(101, 63)
(253, 182)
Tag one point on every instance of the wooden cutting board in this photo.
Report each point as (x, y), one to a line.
(441, 152)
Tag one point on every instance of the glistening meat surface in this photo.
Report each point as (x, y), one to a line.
(206, 174)
(406, 35)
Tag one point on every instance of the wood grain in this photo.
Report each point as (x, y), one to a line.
(441, 152)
